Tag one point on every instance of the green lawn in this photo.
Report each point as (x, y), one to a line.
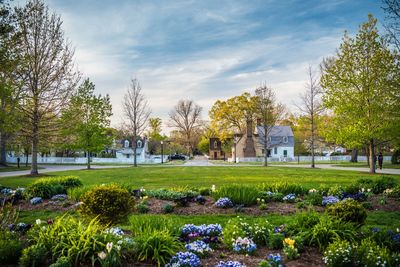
(12, 168)
(386, 165)
(159, 176)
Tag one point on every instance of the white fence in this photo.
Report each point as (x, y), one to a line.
(308, 159)
(80, 160)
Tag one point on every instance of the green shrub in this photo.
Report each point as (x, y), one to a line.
(110, 203)
(258, 230)
(396, 157)
(367, 205)
(303, 222)
(8, 215)
(173, 194)
(205, 191)
(383, 183)
(276, 241)
(348, 210)
(239, 194)
(142, 207)
(34, 256)
(47, 187)
(269, 196)
(327, 230)
(352, 189)
(340, 253)
(369, 254)
(263, 206)
(77, 192)
(151, 223)
(314, 198)
(284, 188)
(62, 262)
(394, 192)
(168, 208)
(335, 190)
(10, 247)
(156, 246)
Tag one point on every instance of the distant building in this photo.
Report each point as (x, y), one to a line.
(216, 150)
(127, 150)
(280, 142)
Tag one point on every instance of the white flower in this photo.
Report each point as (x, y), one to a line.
(102, 255)
(38, 221)
(109, 246)
(119, 242)
(213, 188)
(118, 247)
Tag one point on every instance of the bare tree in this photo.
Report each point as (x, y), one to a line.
(137, 112)
(186, 118)
(48, 72)
(311, 106)
(270, 112)
(392, 20)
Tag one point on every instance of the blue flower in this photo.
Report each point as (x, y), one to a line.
(230, 264)
(184, 259)
(289, 197)
(275, 260)
(224, 203)
(36, 200)
(329, 200)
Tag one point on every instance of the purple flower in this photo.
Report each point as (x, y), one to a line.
(230, 264)
(224, 203)
(184, 259)
(329, 200)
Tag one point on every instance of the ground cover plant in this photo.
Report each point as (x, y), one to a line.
(197, 231)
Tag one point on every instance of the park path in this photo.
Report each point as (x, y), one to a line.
(332, 167)
(58, 168)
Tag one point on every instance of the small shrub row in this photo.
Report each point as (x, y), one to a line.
(47, 187)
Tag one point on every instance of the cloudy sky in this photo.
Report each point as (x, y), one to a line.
(205, 50)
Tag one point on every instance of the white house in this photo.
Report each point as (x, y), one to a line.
(127, 151)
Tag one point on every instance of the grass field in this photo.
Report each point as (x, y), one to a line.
(156, 177)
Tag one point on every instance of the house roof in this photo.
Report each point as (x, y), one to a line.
(276, 131)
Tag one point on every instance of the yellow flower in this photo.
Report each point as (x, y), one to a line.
(289, 242)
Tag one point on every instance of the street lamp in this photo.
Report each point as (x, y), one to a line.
(235, 140)
(162, 152)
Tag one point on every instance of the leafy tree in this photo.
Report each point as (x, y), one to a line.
(155, 129)
(47, 71)
(204, 145)
(86, 120)
(392, 22)
(362, 90)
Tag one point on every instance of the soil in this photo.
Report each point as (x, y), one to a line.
(388, 205)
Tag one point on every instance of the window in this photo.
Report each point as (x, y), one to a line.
(126, 144)
(215, 145)
(285, 139)
(139, 144)
(275, 150)
(269, 139)
(285, 153)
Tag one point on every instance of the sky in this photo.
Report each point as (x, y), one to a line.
(205, 50)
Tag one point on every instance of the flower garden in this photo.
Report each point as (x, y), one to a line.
(263, 224)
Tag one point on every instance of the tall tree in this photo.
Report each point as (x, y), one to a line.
(154, 131)
(392, 21)
(311, 106)
(48, 72)
(9, 84)
(86, 120)
(362, 90)
(270, 112)
(186, 118)
(137, 112)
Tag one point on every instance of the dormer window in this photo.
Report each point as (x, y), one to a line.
(285, 139)
(269, 139)
(126, 144)
(139, 144)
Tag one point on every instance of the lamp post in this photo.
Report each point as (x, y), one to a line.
(235, 140)
(162, 152)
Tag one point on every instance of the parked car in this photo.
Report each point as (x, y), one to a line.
(177, 157)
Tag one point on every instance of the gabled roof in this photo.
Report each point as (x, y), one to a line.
(276, 131)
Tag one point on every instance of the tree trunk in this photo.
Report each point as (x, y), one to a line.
(26, 159)
(371, 157)
(88, 160)
(312, 142)
(134, 146)
(354, 155)
(35, 142)
(3, 152)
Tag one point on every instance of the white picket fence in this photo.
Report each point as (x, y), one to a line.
(308, 159)
(154, 159)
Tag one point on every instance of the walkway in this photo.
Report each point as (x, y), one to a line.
(59, 168)
(332, 167)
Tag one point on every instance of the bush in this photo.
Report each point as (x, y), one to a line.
(62, 262)
(336, 190)
(269, 196)
(151, 223)
(284, 188)
(396, 157)
(205, 191)
(168, 208)
(142, 207)
(47, 187)
(394, 192)
(327, 230)
(239, 194)
(369, 254)
(339, 254)
(156, 246)
(386, 238)
(34, 256)
(8, 216)
(77, 192)
(110, 203)
(276, 241)
(314, 198)
(303, 222)
(10, 247)
(348, 210)
(383, 183)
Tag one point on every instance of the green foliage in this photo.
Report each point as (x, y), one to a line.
(140, 225)
(396, 157)
(263, 206)
(348, 210)
(340, 253)
(284, 188)
(168, 208)
(369, 254)
(383, 183)
(34, 256)
(394, 192)
(276, 241)
(303, 222)
(166, 194)
(77, 192)
(335, 190)
(110, 203)
(142, 207)
(205, 191)
(62, 262)
(157, 246)
(314, 198)
(204, 145)
(363, 111)
(327, 230)
(8, 215)
(239, 194)
(47, 187)
(10, 247)
(86, 119)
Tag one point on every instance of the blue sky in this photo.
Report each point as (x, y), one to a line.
(205, 50)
